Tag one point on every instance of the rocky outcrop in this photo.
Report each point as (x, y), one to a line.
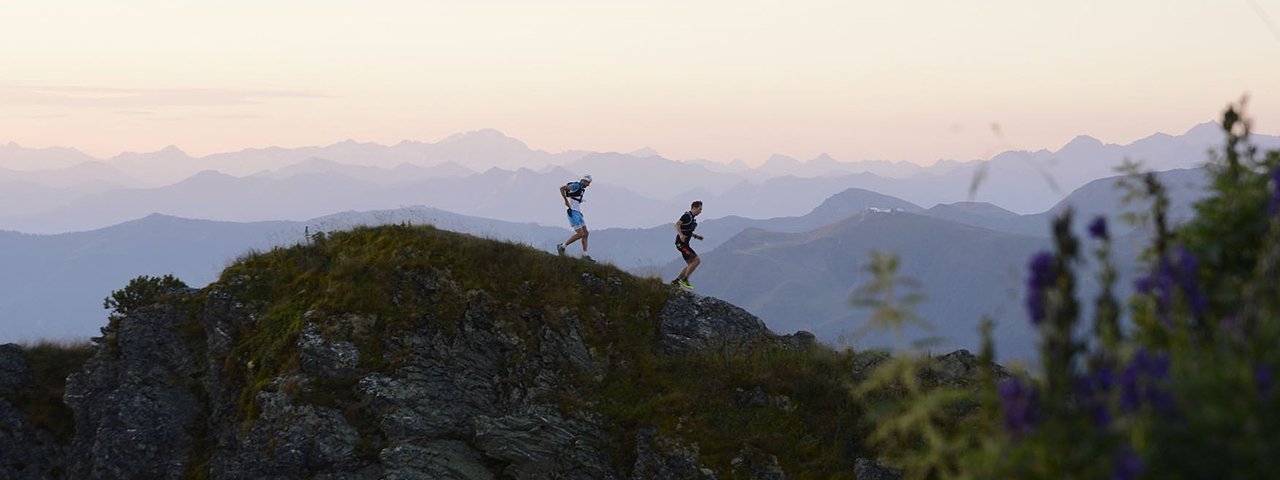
(960, 369)
(163, 395)
(14, 371)
(690, 323)
(136, 401)
(26, 452)
(372, 359)
(757, 465)
(866, 469)
(661, 458)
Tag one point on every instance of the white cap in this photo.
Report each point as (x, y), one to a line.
(587, 177)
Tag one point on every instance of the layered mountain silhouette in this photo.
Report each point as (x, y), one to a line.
(56, 282)
(965, 273)
(53, 285)
(488, 174)
(804, 280)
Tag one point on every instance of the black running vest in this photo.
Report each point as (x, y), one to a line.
(575, 194)
(688, 223)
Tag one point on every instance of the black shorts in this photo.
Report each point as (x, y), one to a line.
(685, 250)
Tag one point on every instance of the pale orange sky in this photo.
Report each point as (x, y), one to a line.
(722, 80)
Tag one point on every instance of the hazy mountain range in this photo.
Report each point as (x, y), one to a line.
(795, 272)
(53, 285)
(965, 273)
(475, 174)
(785, 240)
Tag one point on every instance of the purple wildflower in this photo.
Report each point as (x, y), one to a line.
(1098, 228)
(1145, 284)
(1036, 307)
(1020, 403)
(1189, 280)
(1159, 284)
(1093, 391)
(1180, 271)
(1130, 396)
(1262, 376)
(1155, 366)
(1274, 207)
(1128, 464)
(1101, 415)
(1043, 274)
(1140, 383)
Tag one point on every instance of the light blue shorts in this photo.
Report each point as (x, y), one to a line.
(575, 219)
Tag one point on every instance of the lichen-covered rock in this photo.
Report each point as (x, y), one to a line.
(541, 444)
(801, 340)
(690, 323)
(326, 359)
(26, 452)
(754, 464)
(440, 459)
(866, 469)
(14, 371)
(134, 402)
(661, 458)
(960, 368)
(294, 441)
(865, 362)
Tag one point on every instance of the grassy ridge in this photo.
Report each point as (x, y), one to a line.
(398, 279)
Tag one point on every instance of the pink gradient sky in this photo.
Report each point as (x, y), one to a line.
(721, 80)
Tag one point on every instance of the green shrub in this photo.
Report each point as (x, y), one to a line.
(142, 291)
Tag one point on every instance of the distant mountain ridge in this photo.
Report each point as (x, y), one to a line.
(804, 280)
(1020, 181)
(92, 263)
(83, 267)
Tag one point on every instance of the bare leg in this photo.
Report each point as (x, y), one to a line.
(584, 234)
(576, 235)
(690, 267)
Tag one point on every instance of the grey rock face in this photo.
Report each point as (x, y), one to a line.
(442, 459)
(474, 400)
(25, 451)
(690, 323)
(757, 465)
(469, 402)
(14, 371)
(134, 403)
(866, 362)
(541, 444)
(661, 458)
(294, 441)
(959, 369)
(800, 340)
(866, 469)
(326, 359)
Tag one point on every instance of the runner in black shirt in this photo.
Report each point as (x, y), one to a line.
(684, 232)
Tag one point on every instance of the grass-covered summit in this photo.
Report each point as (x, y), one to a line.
(411, 352)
